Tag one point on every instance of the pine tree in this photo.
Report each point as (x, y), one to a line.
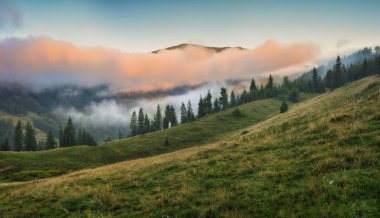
(269, 88)
(120, 135)
(190, 113)
(329, 79)
(183, 113)
(201, 107)
(216, 106)
(4, 146)
(133, 124)
(30, 138)
(337, 79)
(283, 107)
(158, 118)
(60, 136)
(50, 141)
(166, 121)
(294, 96)
(69, 136)
(140, 122)
(223, 99)
(208, 103)
(173, 117)
(233, 98)
(252, 86)
(18, 137)
(146, 123)
(244, 98)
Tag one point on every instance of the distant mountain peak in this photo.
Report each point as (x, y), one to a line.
(184, 45)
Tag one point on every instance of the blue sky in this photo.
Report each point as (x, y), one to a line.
(140, 26)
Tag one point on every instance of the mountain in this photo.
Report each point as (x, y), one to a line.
(320, 158)
(184, 45)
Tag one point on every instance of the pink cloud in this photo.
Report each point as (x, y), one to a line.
(44, 61)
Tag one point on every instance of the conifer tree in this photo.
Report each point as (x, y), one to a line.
(294, 96)
(269, 88)
(166, 121)
(18, 137)
(119, 134)
(252, 86)
(60, 136)
(183, 113)
(190, 113)
(69, 136)
(4, 146)
(146, 123)
(253, 91)
(233, 101)
(158, 118)
(208, 103)
(223, 99)
(140, 122)
(283, 107)
(30, 138)
(50, 141)
(201, 107)
(216, 106)
(337, 79)
(133, 124)
(173, 117)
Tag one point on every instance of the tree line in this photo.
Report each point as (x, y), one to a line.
(24, 138)
(335, 78)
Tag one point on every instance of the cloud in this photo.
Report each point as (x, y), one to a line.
(342, 43)
(10, 16)
(44, 62)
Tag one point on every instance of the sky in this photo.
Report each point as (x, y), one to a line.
(147, 25)
(89, 42)
(49, 43)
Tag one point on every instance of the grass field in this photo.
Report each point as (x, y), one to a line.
(319, 159)
(22, 166)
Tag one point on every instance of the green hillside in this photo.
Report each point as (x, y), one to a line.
(319, 159)
(21, 166)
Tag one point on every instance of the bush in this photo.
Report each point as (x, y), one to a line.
(237, 113)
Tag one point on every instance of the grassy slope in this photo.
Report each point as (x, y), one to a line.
(31, 165)
(321, 158)
(40, 135)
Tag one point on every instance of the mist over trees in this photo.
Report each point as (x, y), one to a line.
(335, 77)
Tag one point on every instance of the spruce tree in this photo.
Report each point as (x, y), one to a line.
(18, 137)
(50, 141)
(69, 135)
(140, 122)
(223, 99)
(201, 107)
(183, 113)
(173, 117)
(233, 101)
(30, 138)
(216, 106)
(119, 134)
(253, 91)
(133, 124)
(337, 79)
(283, 107)
(158, 118)
(269, 88)
(252, 86)
(146, 123)
(294, 96)
(166, 120)
(190, 113)
(60, 136)
(208, 103)
(5, 145)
